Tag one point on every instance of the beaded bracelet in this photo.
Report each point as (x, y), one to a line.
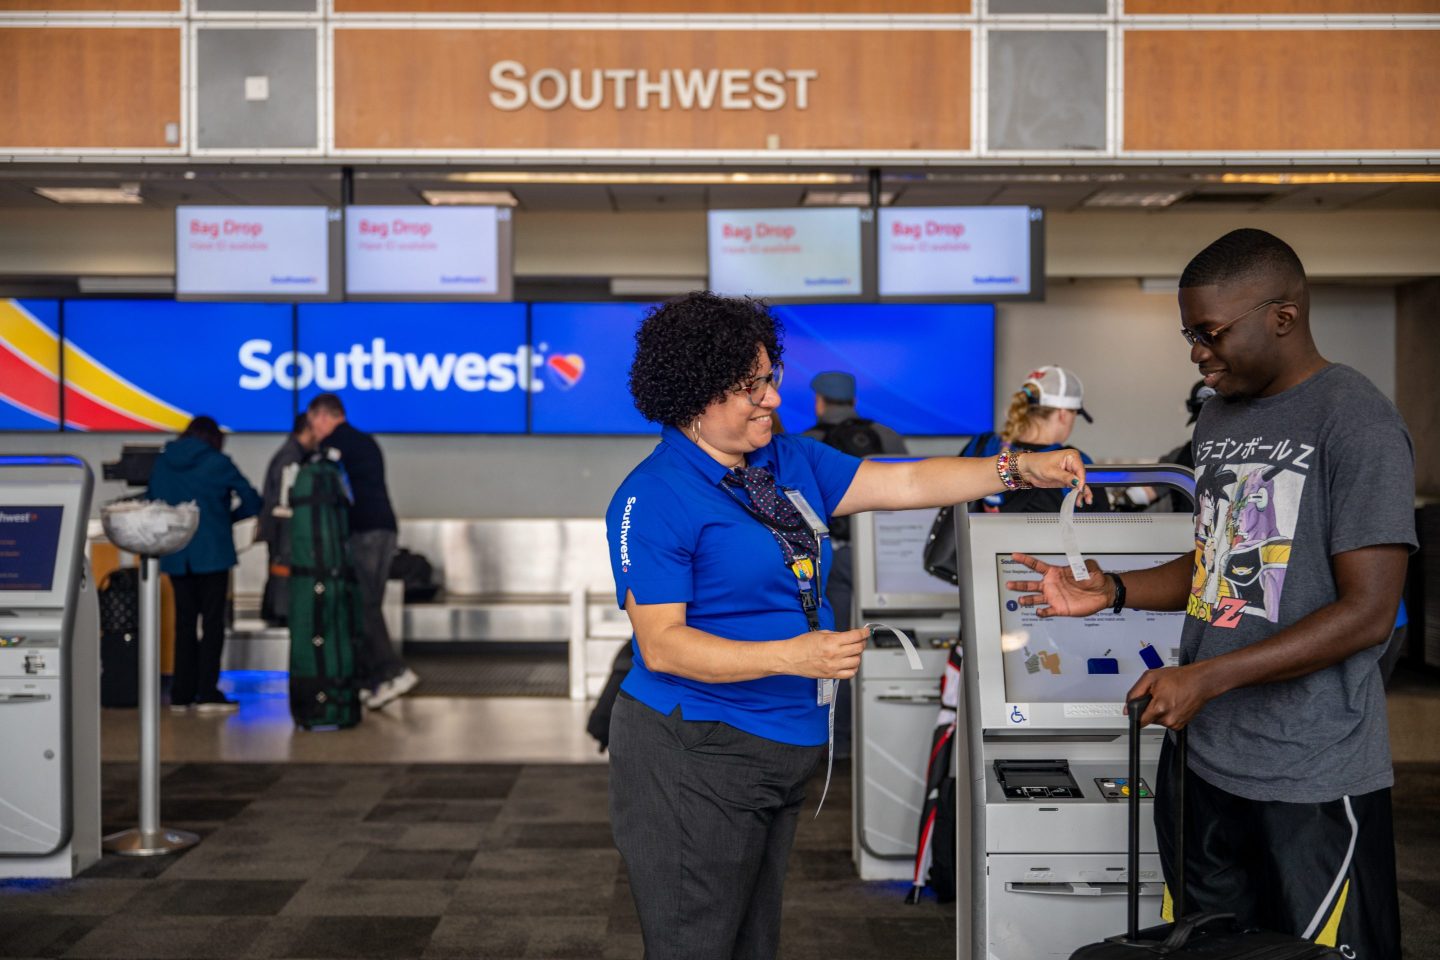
(1009, 470)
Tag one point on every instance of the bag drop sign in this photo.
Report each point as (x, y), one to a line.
(226, 251)
(421, 250)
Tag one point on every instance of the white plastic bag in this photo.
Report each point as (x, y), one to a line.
(150, 527)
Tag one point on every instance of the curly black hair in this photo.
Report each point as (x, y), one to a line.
(691, 351)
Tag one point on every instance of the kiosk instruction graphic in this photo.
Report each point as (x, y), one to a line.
(29, 537)
(1093, 659)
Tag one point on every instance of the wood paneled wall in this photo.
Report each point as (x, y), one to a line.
(655, 6)
(1282, 7)
(90, 6)
(1281, 90)
(882, 90)
(89, 88)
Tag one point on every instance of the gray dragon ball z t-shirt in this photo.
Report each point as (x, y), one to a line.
(1283, 484)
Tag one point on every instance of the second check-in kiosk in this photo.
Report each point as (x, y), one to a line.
(1041, 822)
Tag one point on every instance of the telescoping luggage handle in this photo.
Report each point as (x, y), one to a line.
(1136, 710)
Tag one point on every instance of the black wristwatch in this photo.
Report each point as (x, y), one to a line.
(1119, 603)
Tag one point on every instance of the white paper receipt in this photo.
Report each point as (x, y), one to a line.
(1067, 536)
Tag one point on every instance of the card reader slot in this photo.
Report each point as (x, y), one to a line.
(918, 700)
(1077, 889)
(23, 698)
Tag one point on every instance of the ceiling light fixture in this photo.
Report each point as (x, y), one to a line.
(125, 193)
(844, 198)
(1133, 198)
(1313, 179)
(463, 198)
(676, 178)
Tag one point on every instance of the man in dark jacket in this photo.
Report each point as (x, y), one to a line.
(193, 468)
(372, 545)
(274, 524)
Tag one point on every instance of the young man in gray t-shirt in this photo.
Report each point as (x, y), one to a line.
(1303, 525)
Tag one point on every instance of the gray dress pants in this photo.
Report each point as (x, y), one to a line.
(704, 816)
(371, 551)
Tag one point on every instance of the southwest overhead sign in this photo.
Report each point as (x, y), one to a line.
(497, 90)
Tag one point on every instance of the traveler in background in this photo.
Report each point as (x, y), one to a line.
(722, 719)
(1151, 498)
(1305, 477)
(1041, 416)
(192, 467)
(372, 546)
(274, 529)
(837, 425)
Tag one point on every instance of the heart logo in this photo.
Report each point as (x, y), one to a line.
(567, 369)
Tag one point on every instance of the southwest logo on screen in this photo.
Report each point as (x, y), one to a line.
(567, 369)
(18, 517)
(373, 366)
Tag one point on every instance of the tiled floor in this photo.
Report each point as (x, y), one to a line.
(465, 827)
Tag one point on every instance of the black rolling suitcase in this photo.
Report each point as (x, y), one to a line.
(1211, 936)
(119, 599)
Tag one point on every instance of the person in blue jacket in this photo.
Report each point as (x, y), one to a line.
(191, 467)
(717, 544)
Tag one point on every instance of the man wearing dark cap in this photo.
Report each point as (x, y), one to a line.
(837, 424)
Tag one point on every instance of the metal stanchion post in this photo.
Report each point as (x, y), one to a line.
(149, 839)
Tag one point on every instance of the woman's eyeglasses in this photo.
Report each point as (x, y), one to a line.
(756, 389)
(1207, 338)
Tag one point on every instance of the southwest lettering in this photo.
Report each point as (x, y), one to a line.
(514, 87)
(375, 367)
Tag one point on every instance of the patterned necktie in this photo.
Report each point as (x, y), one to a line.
(784, 521)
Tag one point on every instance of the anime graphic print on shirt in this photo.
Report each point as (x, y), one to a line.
(1247, 503)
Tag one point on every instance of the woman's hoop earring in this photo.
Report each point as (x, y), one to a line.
(695, 431)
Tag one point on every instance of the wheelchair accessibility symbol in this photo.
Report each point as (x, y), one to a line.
(1019, 715)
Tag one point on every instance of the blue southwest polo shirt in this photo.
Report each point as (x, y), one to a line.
(677, 536)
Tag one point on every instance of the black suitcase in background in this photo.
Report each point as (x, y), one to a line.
(1211, 936)
(119, 600)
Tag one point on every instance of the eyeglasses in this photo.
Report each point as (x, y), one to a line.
(756, 389)
(1207, 338)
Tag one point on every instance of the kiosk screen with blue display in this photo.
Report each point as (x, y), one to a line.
(156, 364)
(29, 537)
(919, 369)
(419, 367)
(29, 364)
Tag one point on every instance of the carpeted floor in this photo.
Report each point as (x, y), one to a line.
(441, 861)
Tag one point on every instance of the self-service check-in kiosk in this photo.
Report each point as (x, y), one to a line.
(1041, 821)
(49, 671)
(895, 707)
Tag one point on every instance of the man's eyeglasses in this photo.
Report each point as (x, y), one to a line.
(756, 389)
(1207, 338)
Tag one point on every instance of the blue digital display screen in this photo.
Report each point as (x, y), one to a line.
(156, 364)
(583, 383)
(29, 538)
(920, 369)
(419, 367)
(29, 364)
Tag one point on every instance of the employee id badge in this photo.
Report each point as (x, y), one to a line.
(807, 513)
(825, 692)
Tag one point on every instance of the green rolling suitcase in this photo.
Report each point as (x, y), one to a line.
(325, 610)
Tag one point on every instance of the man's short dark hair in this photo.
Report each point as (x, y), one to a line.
(302, 423)
(690, 351)
(1246, 254)
(328, 403)
(206, 429)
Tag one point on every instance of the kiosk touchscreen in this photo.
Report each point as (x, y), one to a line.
(1041, 811)
(49, 671)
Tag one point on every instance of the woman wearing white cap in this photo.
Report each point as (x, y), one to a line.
(1042, 413)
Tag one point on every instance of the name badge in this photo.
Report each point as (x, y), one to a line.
(807, 513)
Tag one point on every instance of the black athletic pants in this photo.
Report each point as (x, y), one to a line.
(199, 603)
(1322, 871)
(704, 815)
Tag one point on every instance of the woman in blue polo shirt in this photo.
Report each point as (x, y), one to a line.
(719, 563)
